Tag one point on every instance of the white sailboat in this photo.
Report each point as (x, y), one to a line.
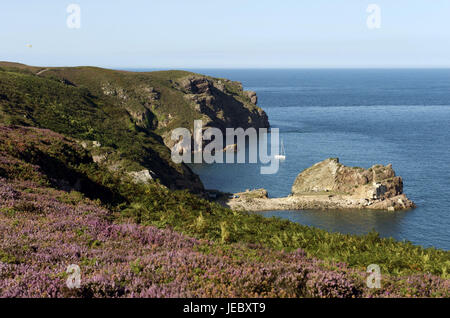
(282, 155)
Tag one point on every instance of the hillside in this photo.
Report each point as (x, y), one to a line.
(126, 116)
(107, 223)
(69, 194)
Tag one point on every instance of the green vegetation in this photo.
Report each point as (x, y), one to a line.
(127, 113)
(72, 102)
(199, 218)
(84, 112)
(153, 204)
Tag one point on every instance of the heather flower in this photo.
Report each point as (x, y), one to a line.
(40, 235)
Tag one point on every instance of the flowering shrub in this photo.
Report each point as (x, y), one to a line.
(42, 233)
(127, 250)
(329, 284)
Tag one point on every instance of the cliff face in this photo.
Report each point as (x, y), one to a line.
(128, 115)
(220, 103)
(224, 103)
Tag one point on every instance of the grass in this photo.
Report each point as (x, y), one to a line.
(77, 112)
(203, 219)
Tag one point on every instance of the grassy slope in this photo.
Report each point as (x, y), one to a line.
(132, 85)
(82, 113)
(129, 260)
(126, 112)
(186, 213)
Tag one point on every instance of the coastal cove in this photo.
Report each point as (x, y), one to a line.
(364, 117)
(84, 159)
(293, 154)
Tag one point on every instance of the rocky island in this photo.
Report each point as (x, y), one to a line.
(333, 186)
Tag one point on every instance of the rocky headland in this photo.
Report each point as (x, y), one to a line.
(125, 119)
(329, 185)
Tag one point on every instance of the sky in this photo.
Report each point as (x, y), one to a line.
(227, 34)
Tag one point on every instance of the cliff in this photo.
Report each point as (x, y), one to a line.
(331, 185)
(125, 118)
(220, 103)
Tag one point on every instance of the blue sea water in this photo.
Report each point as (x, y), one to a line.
(363, 117)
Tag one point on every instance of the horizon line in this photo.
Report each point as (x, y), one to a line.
(173, 67)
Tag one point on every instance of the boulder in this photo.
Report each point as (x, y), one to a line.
(99, 158)
(143, 176)
(253, 194)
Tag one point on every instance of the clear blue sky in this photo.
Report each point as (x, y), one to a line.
(227, 33)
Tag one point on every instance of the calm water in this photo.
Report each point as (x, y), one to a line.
(363, 117)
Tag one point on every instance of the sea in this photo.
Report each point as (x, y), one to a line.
(363, 117)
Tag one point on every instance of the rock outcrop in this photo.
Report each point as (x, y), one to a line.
(331, 185)
(252, 96)
(220, 103)
(376, 183)
(144, 176)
